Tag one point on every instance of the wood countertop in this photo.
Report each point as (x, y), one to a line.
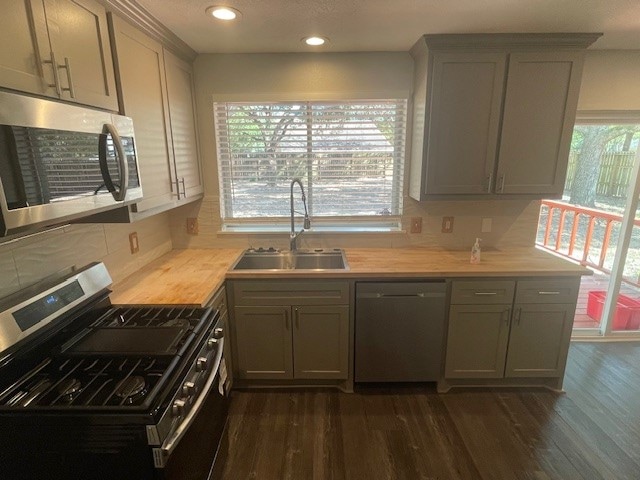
(193, 276)
(189, 277)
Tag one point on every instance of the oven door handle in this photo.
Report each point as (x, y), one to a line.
(171, 443)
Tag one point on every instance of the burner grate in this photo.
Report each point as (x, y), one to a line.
(88, 382)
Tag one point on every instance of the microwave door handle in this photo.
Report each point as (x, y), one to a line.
(122, 162)
(104, 167)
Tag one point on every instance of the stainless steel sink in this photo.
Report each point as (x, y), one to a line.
(270, 259)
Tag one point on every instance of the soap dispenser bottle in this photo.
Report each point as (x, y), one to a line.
(475, 252)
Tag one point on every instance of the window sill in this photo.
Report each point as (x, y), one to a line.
(279, 229)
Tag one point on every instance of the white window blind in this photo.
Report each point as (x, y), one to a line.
(348, 154)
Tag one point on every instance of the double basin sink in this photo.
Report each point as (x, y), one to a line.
(272, 259)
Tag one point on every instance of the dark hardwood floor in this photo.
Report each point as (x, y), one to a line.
(591, 432)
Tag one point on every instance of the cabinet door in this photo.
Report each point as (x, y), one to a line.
(25, 41)
(477, 341)
(321, 342)
(182, 114)
(466, 99)
(263, 342)
(539, 340)
(539, 112)
(142, 81)
(80, 40)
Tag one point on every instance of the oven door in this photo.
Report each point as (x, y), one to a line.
(196, 449)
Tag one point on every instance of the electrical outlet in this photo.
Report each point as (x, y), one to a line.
(192, 226)
(486, 225)
(447, 224)
(134, 246)
(416, 224)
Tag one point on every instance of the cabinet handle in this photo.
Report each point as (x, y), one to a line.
(296, 314)
(488, 182)
(286, 319)
(184, 188)
(56, 77)
(517, 315)
(501, 181)
(506, 314)
(67, 67)
(177, 183)
(548, 293)
(485, 293)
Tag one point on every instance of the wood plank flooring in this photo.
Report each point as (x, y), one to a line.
(591, 432)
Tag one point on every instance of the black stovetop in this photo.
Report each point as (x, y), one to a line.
(123, 360)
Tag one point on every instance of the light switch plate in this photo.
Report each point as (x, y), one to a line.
(447, 224)
(192, 226)
(416, 224)
(486, 225)
(134, 246)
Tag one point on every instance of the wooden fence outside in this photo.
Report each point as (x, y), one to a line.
(615, 173)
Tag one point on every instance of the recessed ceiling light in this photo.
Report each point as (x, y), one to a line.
(315, 41)
(223, 13)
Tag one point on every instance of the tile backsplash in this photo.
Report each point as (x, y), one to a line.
(28, 260)
(514, 223)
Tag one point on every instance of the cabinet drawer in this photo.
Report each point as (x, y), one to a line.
(289, 292)
(219, 301)
(482, 292)
(548, 290)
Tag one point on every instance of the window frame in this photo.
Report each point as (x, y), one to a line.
(322, 223)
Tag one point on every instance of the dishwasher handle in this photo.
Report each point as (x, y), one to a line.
(397, 295)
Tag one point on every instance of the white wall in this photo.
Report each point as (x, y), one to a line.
(611, 80)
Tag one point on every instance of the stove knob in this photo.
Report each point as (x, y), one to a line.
(177, 409)
(188, 389)
(212, 343)
(202, 363)
(218, 333)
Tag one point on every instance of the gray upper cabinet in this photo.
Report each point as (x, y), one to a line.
(182, 114)
(539, 112)
(144, 98)
(468, 102)
(58, 48)
(157, 92)
(493, 114)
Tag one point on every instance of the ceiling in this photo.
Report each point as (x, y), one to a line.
(387, 25)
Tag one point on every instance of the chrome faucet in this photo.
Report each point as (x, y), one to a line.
(307, 223)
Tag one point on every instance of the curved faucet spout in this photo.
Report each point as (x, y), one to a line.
(307, 222)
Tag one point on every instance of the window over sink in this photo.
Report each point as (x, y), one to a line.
(348, 154)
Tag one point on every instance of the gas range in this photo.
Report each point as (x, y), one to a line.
(86, 381)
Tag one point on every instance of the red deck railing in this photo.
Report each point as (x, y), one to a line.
(575, 213)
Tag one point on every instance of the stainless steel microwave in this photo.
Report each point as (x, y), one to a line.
(59, 163)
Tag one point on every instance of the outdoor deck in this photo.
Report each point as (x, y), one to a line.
(597, 281)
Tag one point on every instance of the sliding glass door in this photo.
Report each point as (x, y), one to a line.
(597, 223)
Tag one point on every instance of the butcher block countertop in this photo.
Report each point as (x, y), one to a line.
(193, 276)
(189, 277)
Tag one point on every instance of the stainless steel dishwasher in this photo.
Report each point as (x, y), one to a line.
(399, 331)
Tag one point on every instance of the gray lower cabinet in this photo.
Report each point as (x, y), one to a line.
(477, 341)
(527, 337)
(286, 330)
(263, 346)
(539, 340)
